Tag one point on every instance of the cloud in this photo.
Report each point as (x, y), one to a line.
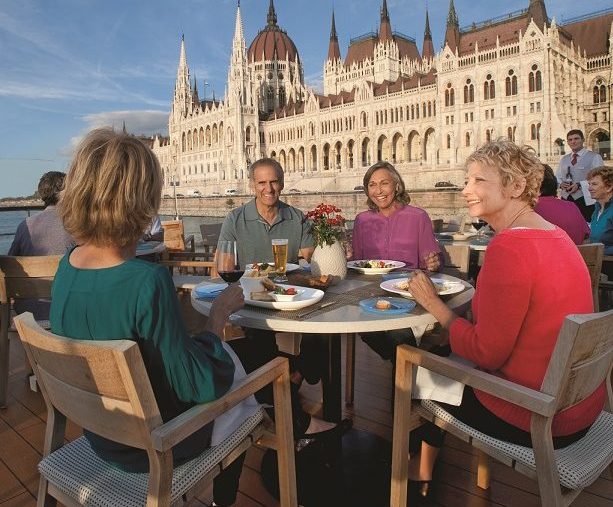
(146, 122)
(315, 81)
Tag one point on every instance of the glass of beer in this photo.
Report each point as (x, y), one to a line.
(279, 253)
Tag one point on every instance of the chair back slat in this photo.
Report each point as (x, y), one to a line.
(101, 385)
(582, 358)
(592, 254)
(27, 277)
(456, 260)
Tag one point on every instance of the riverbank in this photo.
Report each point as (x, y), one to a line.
(443, 203)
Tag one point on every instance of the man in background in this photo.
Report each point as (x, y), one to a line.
(572, 172)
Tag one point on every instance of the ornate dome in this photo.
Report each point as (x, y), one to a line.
(272, 43)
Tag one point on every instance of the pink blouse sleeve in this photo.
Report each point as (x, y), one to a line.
(427, 241)
(356, 239)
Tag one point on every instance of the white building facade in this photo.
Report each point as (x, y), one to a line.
(520, 76)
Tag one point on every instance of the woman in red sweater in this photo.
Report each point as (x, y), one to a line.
(532, 278)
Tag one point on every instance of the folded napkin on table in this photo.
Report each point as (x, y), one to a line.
(210, 290)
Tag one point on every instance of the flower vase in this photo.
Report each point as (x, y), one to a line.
(329, 260)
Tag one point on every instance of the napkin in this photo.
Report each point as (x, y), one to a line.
(210, 290)
(428, 385)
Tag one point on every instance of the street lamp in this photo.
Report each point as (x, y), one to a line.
(174, 183)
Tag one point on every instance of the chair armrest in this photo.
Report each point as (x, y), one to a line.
(169, 434)
(532, 400)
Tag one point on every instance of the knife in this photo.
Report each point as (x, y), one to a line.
(308, 312)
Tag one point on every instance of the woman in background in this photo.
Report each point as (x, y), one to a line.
(532, 278)
(600, 181)
(102, 292)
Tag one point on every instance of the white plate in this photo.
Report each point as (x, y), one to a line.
(462, 236)
(307, 297)
(289, 267)
(449, 287)
(375, 271)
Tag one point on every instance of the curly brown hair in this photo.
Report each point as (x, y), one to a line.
(112, 190)
(514, 163)
(605, 172)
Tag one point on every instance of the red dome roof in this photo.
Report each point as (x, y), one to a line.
(272, 43)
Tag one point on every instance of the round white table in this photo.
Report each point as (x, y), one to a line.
(345, 316)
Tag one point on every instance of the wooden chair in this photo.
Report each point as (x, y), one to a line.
(581, 361)
(456, 260)
(20, 278)
(187, 270)
(210, 237)
(103, 386)
(174, 238)
(592, 254)
(605, 287)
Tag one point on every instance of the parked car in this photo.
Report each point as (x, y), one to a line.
(194, 193)
(166, 196)
(230, 191)
(358, 188)
(444, 184)
(294, 191)
(180, 196)
(215, 193)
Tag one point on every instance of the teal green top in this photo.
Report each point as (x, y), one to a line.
(136, 300)
(253, 234)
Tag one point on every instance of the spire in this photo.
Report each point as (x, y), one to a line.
(538, 12)
(428, 47)
(183, 85)
(334, 52)
(123, 129)
(452, 17)
(238, 24)
(272, 15)
(182, 57)
(385, 28)
(452, 34)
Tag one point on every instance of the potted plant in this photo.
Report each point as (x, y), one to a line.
(328, 230)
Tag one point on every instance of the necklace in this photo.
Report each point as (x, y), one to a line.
(522, 211)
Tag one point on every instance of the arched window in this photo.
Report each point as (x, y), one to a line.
(469, 92)
(467, 139)
(533, 132)
(449, 96)
(538, 85)
(596, 95)
(603, 93)
(424, 110)
(488, 135)
(448, 141)
(281, 97)
(510, 134)
(412, 112)
(429, 108)
(511, 84)
(600, 92)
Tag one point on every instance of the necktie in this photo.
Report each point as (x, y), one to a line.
(573, 159)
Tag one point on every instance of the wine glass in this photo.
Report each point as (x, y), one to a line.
(478, 224)
(227, 262)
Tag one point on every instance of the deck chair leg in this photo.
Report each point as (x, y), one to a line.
(4, 369)
(349, 368)
(44, 499)
(483, 470)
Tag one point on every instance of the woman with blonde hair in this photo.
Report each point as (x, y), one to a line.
(600, 181)
(102, 292)
(532, 278)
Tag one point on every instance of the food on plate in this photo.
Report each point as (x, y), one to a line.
(370, 264)
(290, 291)
(269, 284)
(383, 304)
(261, 296)
(440, 286)
(262, 268)
(317, 282)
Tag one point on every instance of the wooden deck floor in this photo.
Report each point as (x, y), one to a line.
(22, 427)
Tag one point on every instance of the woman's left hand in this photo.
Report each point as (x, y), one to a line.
(423, 290)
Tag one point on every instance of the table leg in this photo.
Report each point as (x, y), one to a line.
(331, 379)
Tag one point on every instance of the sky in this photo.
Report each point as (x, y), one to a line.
(67, 66)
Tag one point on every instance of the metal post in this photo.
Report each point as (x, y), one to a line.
(174, 193)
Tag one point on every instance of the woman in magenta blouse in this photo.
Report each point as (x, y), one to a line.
(392, 229)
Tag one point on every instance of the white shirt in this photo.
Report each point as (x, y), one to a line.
(586, 161)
